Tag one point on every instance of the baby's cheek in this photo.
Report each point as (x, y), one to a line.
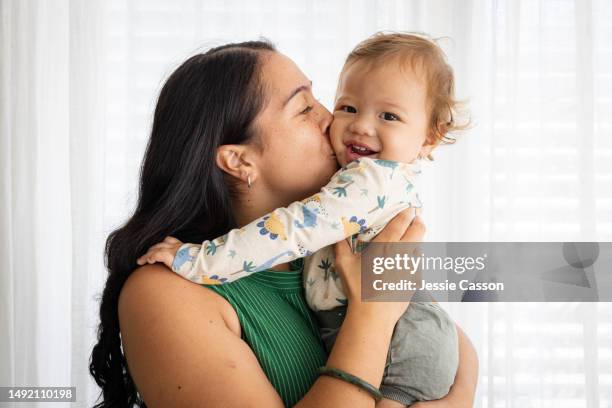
(335, 135)
(400, 149)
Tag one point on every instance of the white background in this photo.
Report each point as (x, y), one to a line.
(78, 84)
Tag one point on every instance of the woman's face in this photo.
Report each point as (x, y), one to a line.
(297, 158)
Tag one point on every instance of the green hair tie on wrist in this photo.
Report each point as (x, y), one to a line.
(351, 379)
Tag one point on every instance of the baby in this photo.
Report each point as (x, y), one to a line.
(394, 105)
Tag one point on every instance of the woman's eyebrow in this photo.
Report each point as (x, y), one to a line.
(297, 91)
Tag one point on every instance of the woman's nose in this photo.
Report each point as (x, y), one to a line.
(361, 126)
(325, 119)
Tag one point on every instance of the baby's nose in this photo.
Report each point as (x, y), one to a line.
(362, 126)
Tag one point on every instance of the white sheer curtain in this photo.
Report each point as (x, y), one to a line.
(52, 200)
(78, 82)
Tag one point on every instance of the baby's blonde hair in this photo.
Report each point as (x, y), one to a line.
(424, 53)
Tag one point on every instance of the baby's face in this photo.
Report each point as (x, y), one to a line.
(380, 112)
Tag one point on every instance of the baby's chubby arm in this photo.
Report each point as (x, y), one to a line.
(367, 192)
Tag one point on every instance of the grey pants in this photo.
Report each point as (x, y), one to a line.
(424, 353)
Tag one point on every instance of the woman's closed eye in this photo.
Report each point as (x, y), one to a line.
(306, 110)
(388, 116)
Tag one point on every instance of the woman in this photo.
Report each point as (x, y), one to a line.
(236, 134)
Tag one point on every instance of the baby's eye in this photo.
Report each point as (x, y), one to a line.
(306, 110)
(388, 116)
(347, 109)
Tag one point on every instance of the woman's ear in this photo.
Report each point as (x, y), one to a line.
(236, 161)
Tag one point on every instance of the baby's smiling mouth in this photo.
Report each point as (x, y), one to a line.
(359, 149)
(364, 151)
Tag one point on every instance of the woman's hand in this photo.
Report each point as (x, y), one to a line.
(364, 337)
(405, 227)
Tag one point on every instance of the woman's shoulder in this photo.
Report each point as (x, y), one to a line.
(153, 289)
(183, 346)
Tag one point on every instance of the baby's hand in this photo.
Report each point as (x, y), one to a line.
(163, 252)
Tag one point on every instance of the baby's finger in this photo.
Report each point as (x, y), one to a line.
(152, 251)
(159, 256)
(166, 258)
(160, 246)
(143, 259)
(171, 240)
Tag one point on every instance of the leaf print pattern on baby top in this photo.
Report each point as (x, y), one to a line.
(389, 164)
(328, 269)
(389, 189)
(409, 185)
(250, 267)
(212, 246)
(341, 191)
(357, 202)
(380, 204)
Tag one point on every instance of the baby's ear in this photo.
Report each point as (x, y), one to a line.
(430, 144)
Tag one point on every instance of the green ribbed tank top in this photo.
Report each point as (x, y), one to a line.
(279, 327)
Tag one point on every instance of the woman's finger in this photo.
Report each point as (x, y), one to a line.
(415, 232)
(414, 235)
(396, 228)
(344, 256)
(342, 248)
(348, 268)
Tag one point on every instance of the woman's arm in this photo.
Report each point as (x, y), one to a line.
(363, 340)
(366, 193)
(183, 345)
(462, 392)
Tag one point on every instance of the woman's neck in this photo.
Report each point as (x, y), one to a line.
(253, 206)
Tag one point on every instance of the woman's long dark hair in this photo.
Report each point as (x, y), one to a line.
(212, 99)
